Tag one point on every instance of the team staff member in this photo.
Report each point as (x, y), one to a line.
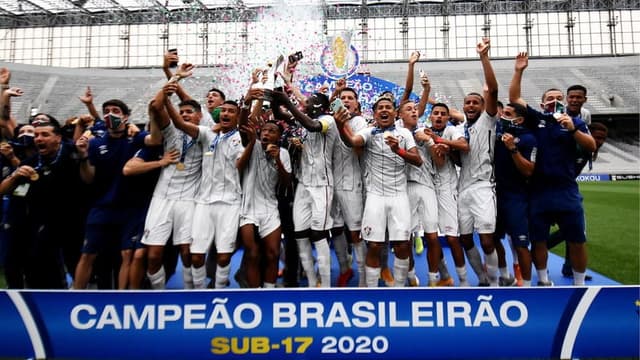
(386, 151)
(554, 191)
(103, 159)
(49, 179)
(515, 160)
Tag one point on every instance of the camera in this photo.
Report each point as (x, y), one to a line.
(173, 64)
(297, 56)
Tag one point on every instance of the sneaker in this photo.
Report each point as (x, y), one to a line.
(545, 283)
(387, 277)
(415, 282)
(445, 282)
(419, 245)
(518, 274)
(507, 281)
(344, 278)
(567, 271)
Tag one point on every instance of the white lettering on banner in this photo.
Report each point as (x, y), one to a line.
(364, 314)
(192, 316)
(286, 315)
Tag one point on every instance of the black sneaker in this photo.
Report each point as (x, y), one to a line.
(567, 271)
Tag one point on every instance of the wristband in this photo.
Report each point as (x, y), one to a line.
(175, 78)
(438, 140)
(402, 153)
(514, 150)
(83, 159)
(325, 126)
(4, 86)
(573, 131)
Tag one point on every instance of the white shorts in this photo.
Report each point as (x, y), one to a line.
(424, 207)
(266, 223)
(477, 209)
(448, 210)
(311, 208)
(217, 222)
(347, 207)
(386, 212)
(166, 216)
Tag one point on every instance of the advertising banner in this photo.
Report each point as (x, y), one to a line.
(420, 323)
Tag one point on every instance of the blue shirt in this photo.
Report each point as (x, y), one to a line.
(141, 186)
(108, 155)
(556, 159)
(508, 177)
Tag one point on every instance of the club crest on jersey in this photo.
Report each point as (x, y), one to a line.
(103, 149)
(366, 230)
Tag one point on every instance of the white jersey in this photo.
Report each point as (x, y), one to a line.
(259, 182)
(347, 173)
(220, 176)
(477, 165)
(447, 173)
(423, 174)
(206, 120)
(177, 184)
(316, 161)
(384, 170)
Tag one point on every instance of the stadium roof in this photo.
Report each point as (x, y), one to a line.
(22, 7)
(52, 13)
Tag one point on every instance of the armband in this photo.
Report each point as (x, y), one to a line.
(325, 126)
(402, 153)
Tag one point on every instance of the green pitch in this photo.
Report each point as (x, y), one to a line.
(613, 229)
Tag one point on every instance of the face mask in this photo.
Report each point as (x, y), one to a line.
(554, 107)
(113, 121)
(26, 140)
(508, 125)
(215, 115)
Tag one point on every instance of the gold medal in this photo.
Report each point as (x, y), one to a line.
(34, 177)
(180, 166)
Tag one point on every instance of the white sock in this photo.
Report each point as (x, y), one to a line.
(187, 277)
(526, 283)
(360, 251)
(542, 275)
(443, 269)
(475, 260)
(491, 260)
(306, 258)
(411, 274)
(578, 278)
(372, 275)
(199, 277)
(340, 246)
(157, 280)
(324, 262)
(504, 272)
(268, 285)
(222, 276)
(400, 269)
(433, 279)
(462, 273)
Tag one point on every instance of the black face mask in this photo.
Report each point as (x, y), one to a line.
(508, 126)
(24, 141)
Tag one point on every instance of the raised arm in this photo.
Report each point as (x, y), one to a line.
(490, 82)
(87, 100)
(515, 94)
(346, 134)
(408, 85)
(424, 97)
(87, 170)
(310, 124)
(7, 122)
